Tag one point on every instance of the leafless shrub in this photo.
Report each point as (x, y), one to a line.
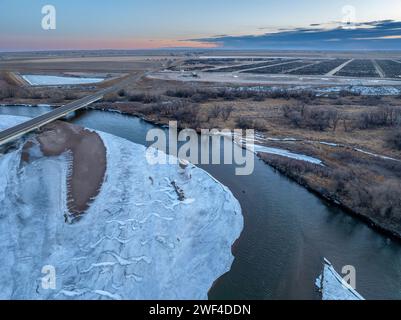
(144, 98)
(180, 111)
(250, 123)
(181, 93)
(188, 115)
(347, 93)
(8, 92)
(230, 94)
(57, 97)
(111, 97)
(71, 96)
(226, 112)
(387, 200)
(372, 100)
(223, 112)
(379, 117)
(244, 123)
(312, 118)
(199, 98)
(393, 139)
(318, 119)
(36, 95)
(215, 112)
(295, 168)
(259, 97)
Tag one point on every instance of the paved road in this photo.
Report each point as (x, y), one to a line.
(35, 123)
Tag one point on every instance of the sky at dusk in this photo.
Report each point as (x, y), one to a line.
(230, 24)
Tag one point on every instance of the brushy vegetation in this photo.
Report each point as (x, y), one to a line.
(230, 94)
(250, 123)
(52, 95)
(320, 118)
(314, 118)
(223, 112)
(186, 114)
(393, 138)
(386, 116)
(123, 95)
(353, 186)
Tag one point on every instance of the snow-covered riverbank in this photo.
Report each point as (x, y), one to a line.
(136, 241)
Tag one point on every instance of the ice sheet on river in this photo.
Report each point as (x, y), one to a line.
(11, 121)
(137, 240)
(288, 154)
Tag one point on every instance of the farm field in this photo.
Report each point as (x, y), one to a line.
(249, 66)
(391, 68)
(319, 68)
(279, 68)
(211, 63)
(223, 61)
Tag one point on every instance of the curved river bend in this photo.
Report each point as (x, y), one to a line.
(288, 230)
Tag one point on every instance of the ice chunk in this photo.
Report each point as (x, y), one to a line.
(334, 287)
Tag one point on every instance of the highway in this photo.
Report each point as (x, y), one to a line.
(35, 123)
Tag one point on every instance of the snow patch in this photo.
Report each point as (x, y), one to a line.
(287, 154)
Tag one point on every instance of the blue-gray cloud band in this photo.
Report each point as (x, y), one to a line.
(374, 35)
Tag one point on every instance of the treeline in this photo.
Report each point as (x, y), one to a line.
(314, 118)
(52, 95)
(124, 95)
(230, 94)
(386, 116)
(187, 114)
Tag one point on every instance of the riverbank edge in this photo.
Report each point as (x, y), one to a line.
(369, 221)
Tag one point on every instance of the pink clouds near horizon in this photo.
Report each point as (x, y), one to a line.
(65, 43)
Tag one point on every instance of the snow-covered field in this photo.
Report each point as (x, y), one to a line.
(136, 241)
(42, 80)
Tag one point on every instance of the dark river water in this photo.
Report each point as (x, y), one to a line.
(288, 230)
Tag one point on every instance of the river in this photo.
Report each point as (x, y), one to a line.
(288, 230)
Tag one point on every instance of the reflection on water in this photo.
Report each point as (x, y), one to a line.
(288, 230)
